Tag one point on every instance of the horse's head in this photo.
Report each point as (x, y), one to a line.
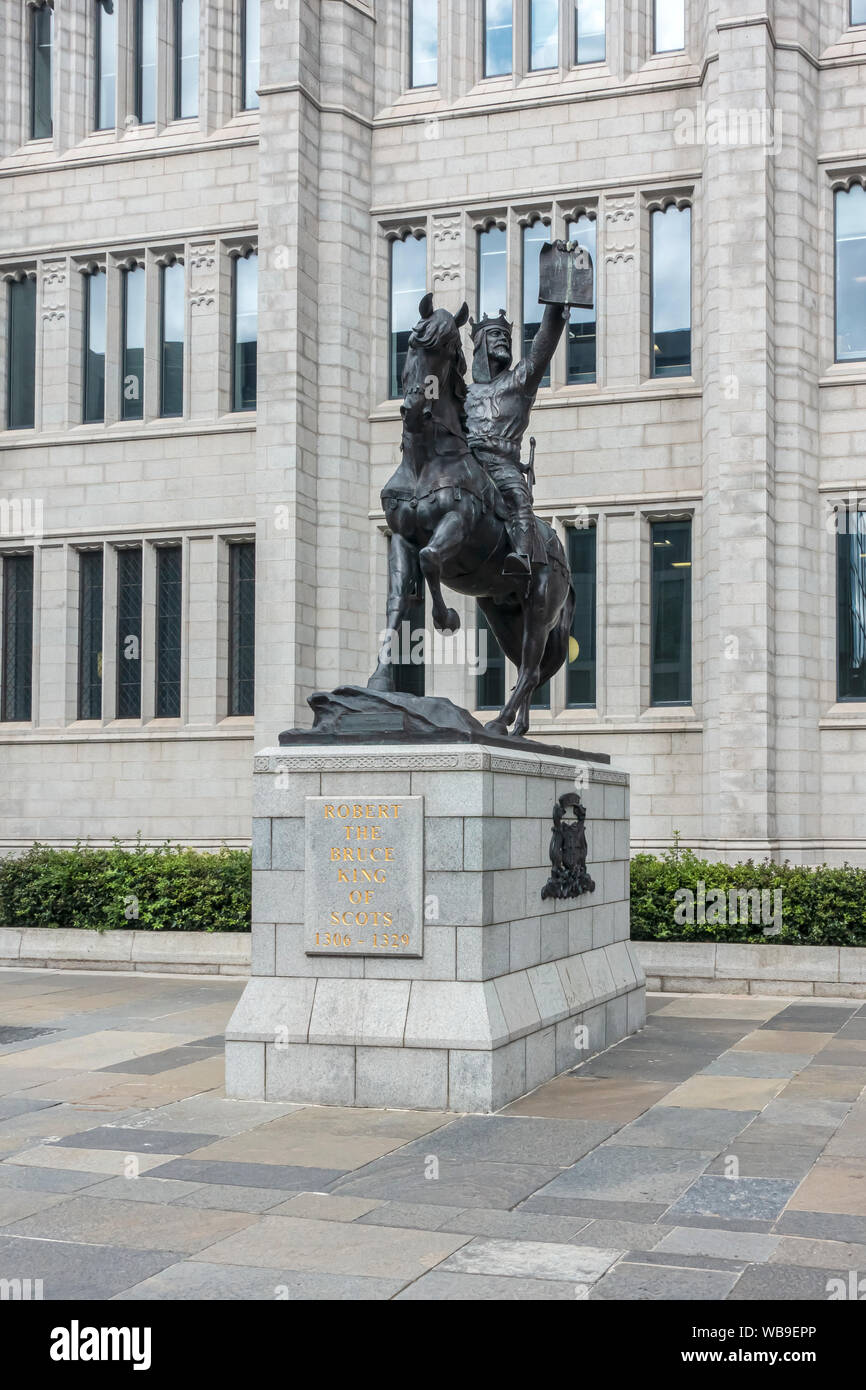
(435, 365)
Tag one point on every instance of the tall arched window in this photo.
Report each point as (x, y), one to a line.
(41, 71)
(589, 31)
(534, 238)
(245, 331)
(106, 64)
(582, 322)
(93, 409)
(21, 352)
(186, 39)
(423, 43)
(851, 274)
(408, 287)
(671, 273)
(669, 26)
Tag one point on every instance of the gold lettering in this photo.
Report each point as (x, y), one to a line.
(329, 812)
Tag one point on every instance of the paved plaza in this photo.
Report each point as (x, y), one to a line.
(716, 1155)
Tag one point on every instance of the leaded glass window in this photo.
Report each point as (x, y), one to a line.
(16, 676)
(168, 631)
(128, 652)
(242, 627)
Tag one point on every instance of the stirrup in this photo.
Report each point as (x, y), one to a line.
(516, 564)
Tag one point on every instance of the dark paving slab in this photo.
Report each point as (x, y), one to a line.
(776, 1283)
(617, 1173)
(136, 1140)
(71, 1270)
(674, 1127)
(461, 1183)
(286, 1177)
(812, 1018)
(636, 1212)
(9, 1034)
(660, 1283)
(758, 1064)
(518, 1139)
(152, 1063)
(755, 1199)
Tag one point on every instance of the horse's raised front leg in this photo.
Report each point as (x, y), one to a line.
(403, 580)
(446, 542)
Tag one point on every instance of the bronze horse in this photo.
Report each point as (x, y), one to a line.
(446, 520)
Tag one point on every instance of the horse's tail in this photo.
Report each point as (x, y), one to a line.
(556, 649)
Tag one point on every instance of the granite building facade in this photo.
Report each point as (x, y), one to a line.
(219, 218)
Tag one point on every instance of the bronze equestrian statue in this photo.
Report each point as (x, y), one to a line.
(450, 522)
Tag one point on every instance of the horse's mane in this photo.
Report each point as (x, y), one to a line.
(435, 333)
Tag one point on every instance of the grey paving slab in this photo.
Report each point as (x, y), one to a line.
(758, 1199)
(781, 1283)
(764, 1160)
(619, 1235)
(671, 1261)
(16, 1203)
(811, 1018)
(193, 1280)
(645, 1066)
(684, 1127)
(284, 1176)
(152, 1063)
(836, 1255)
(775, 1134)
(518, 1225)
(417, 1216)
(729, 1245)
(823, 1226)
(812, 1113)
(518, 1139)
(226, 1197)
(141, 1189)
(324, 1206)
(642, 1213)
(663, 1283)
(35, 1179)
(766, 1064)
(213, 1114)
(718, 1223)
(137, 1225)
(132, 1139)
(332, 1247)
(12, 1106)
(80, 1271)
(442, 1287)
(841, 1054)
(527, 1259)
(461, 1182)
(641, 1174)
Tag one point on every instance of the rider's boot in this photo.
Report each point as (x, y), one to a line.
(520, 534)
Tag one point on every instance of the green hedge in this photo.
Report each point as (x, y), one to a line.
(818, 907)
(162, 889)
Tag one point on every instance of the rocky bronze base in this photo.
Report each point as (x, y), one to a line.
(352, 714)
